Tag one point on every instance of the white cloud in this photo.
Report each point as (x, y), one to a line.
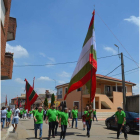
(45, 78)
(19, 80)
(15, 62)
(64, 74)
(135, 89)
(18, 51)
(61, 82)
(111, 50)
(42, 54)
(51, 59)
(133, 19)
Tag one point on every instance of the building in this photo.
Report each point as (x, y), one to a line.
(21, 99)
(8, 33)
(107, 98)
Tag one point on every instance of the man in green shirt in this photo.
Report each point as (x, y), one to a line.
(8, 117)
(120, 118)
(87, 114)
(38, 116)
(74, 116)
(63, 120)
(51, 115)
(94, 115)
(59, 111)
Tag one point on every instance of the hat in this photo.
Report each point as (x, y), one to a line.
(119, 108)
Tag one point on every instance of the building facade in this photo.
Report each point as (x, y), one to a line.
(107, 98)
(8, 33)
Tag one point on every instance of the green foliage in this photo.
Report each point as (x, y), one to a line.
(52, 99)
(46, 102)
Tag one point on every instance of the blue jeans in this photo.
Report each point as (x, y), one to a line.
(94, 116)
(38, 126)
(88, 123)
(75, 122)
(8, 119)
(3, 122)
(15, 121)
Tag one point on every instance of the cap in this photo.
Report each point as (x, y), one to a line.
(119, 108)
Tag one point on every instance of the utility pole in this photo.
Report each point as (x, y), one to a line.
(123, 83)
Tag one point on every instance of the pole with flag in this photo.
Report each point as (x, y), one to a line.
(6, 101)
(85, 71)
(17, 101)
(33, 82)
(31, 96)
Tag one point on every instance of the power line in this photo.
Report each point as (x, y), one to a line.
(130, 58)
(60, 63)
(117, 39)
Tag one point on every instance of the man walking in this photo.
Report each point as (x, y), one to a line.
(45, 112)
(74, 116)
(3, 116)
(38, 116)
(15, 119)
(63, 121)
(120, 118)
(94, 115)
(8, 117)
(51, 115)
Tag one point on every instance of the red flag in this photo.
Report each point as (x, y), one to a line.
(6, 101)
(33, 82)
(31, 96)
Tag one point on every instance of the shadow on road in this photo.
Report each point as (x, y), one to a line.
(29, 129)
(81, 135)
(114, 138)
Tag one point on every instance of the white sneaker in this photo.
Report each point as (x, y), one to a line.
(120, 132)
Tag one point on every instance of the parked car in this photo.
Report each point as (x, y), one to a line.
(132, 121)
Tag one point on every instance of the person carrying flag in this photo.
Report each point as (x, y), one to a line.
(74, 116)
(8, 117)
(63, 120)
(51, 116)
(38, 116)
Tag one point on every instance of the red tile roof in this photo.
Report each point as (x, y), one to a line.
(99, 76)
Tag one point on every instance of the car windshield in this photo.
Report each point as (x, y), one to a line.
(133, 114)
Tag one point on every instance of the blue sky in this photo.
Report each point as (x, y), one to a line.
(54, 31)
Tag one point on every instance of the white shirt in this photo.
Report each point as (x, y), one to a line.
(15, 113)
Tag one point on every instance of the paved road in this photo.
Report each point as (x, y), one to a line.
(98, 132)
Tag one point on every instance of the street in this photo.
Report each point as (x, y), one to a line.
(98, 132)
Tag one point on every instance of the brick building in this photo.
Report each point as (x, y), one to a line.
(8, 33)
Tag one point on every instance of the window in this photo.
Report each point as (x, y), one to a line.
(66, 90)
(59, 93)
(119, 89)
(3, 10)
(76, 103)
(79, 89)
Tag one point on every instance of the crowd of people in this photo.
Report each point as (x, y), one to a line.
(57, 118)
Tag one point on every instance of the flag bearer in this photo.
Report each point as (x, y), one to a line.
(51, 115)
(74, 116)
(8, 117)
(38, 116)
(87, 114)
(120, 118)
(64, 119)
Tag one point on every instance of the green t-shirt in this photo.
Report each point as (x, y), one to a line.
(39, 117)
(21, 112)
(9, 113)
(74, 113)
(51, 113)
(30, 112)
(88, 115)
(24, 111)
(94, 112)
(64, 118)
(120, 116)
(33, 112)
(58, 114)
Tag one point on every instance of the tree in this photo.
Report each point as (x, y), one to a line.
(52, 99)
(46, 102)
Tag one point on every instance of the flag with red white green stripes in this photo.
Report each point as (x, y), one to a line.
(86, 67)
(31, 96)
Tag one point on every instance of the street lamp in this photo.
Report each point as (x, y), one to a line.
(55, 82)
(118, 49)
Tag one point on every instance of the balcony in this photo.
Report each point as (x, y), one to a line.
(7, 68)
(11, 29)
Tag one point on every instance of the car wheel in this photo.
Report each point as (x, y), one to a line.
(128, 129)
(108, 125)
